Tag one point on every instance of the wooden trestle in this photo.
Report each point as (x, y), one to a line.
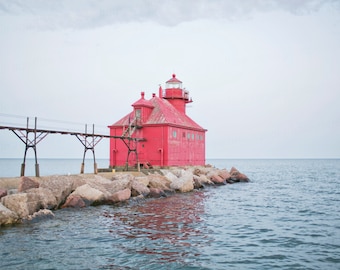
(88, 140)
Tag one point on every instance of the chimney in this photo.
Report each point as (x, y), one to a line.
(160, 94)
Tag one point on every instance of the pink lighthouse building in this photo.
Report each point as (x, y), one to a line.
(158, 132)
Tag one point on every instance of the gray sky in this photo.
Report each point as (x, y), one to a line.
(264, 75)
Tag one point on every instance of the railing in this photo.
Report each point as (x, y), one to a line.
(175, 93)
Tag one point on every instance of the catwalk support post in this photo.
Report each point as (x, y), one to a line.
(89, 141)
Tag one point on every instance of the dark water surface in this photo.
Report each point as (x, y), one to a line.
(287, 217)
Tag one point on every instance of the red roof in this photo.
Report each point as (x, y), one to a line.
(142, 102)
(163, 113)
(173, 79)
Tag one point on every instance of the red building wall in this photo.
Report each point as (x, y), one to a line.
(164, 146)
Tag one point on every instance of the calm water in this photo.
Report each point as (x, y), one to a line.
(288, 217)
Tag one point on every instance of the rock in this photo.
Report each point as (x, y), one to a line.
(121, 176)
(156, 193)
(3, 192)
(201, 170)
(27, 183)
(41, 214)
(216, 179)
(138, 188)
(89, 194)
(117, 185)
(138, 199)
(120, 196)
(74, 201)
(24, 204)
(79, 180)
(109, 187)
(184, 183)
(95, 182)
(61, 187)
(7, 216)
(197, 183)
(46, 197)
(12, 191)
(170, 175)
(159, 181)
(143, 180)
(203, 180)
(225, 175)
(236, 176)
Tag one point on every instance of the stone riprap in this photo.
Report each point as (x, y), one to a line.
(39, 196)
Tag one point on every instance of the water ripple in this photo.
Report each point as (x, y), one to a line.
(286, 218)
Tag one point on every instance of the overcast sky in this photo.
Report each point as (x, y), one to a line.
(264, 75)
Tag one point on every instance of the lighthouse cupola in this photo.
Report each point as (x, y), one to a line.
(175, 94)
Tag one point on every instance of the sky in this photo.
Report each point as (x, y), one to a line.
(264, 75)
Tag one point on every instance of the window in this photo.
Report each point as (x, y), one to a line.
(174, 133)
(137, 113)
(188, 136)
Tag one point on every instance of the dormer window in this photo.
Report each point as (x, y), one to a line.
(138, 114)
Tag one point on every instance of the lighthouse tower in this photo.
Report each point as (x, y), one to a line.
(175, 94)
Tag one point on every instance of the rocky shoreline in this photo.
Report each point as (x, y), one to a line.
(27, 198)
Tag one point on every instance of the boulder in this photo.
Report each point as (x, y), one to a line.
(203, 180)
(74, 201)
(138, 188)
(120, 196)
(198, 170)
(46, 197)
(184, 183)
(143, 180)
(159, 181)
(177, 172)
(197, 183)
(118, 185)
(3, 192)
(156, 193)
(27, 183)
(89, 194)
(109, 187)
(41, 214)
(96, 182)
(216, 179)
(120, 176)
(79, 180)
(7, 216)
(225, 175)
(12, 191)
(24, 204)
(61, 187)
(237, 176)
(170, 175)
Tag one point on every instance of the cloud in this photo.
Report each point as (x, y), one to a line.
(80, 14)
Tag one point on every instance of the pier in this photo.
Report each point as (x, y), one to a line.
(31, 136)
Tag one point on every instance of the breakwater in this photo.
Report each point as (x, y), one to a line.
(39, 196)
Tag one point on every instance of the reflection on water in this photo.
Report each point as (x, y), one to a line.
(168, 228)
